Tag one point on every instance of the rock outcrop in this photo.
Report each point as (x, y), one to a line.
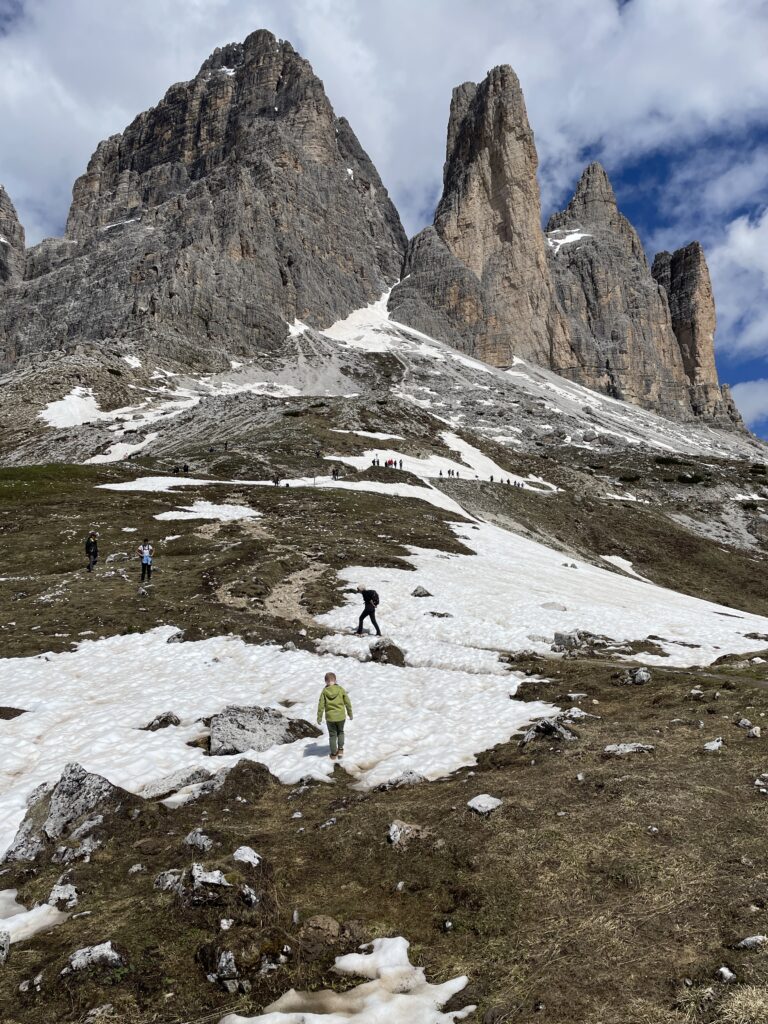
(481, 271)
(11, 242)
(684, 276)
(581, 300)
(618, 317)
(239, 203)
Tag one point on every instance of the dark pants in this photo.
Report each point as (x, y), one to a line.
(336, 735)
(369, 613)
(146, 571)
(92, 560)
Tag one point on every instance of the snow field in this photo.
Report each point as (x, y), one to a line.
(89, 705)
(498, 599)
(397, 993)
(22, 924)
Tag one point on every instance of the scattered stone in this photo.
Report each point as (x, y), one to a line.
(549, 728)
(400, 833)
(484, 804)
(635, 677)
(440, 615)
(317, 934)
(102, 955)
(289, 646)
(237, 729)
(553, 606)
(174, 782)
(752, 942)
(201, 877)
(754, 733)
(169, 881)
(63, 897)
(136, 869)
(385, 652)
(163, 721)
(567, 641)
(714, 746)
(420, 592)
(247, 855)
(626, 749)
(226, 967)
(409, 777)
(726, 974)
(249, 896)
(328, 824)
(696, 693)
(744, 723)
(100, 1013)
(5, 945)
(117, 556)
(199, 840)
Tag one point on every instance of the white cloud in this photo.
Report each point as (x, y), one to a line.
(751, 397)
(739, 267)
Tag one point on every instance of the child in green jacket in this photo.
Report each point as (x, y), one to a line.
(335, 705)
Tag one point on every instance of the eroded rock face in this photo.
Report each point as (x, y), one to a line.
(11, 242)
(484, 268)
(684, 276)
(236, 204)
(582, 300)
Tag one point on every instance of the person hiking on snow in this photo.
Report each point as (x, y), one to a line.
(92, 549)
(335, 704)
(146, 553)
(371, 603)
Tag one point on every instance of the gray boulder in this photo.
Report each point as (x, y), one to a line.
(162, 721)
(237, 729)
(385, 652)
(420, 592)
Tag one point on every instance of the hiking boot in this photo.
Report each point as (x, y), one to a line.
(340, 755)
(333, 756)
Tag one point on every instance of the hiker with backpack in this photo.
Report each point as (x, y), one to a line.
(371, 603)
(335, 705)
(92, 549)
(146, 553)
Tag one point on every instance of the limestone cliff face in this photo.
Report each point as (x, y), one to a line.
(581, 300)
(236, 204)
(684, 276)
(483, 266)
(618, 317)
(11, 241)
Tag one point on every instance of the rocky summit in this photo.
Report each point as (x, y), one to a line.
(579, 298)
(502, 448)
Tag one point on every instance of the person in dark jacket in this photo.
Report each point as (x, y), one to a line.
(92, 549)
(370, 601)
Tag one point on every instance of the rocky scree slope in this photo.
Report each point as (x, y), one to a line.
(579, 299)
(236, 204)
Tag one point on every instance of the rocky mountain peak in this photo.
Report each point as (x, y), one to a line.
(487, 232)
(11, 240)
(594, 209)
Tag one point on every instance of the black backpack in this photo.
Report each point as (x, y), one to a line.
(374, 599)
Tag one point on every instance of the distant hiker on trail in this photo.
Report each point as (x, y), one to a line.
(146, 553)
(186, 468)
(401, 463)
(335, 705)
(92, 549)
(276, 480)
(371, 602)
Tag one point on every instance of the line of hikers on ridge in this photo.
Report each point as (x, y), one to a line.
(145, 552)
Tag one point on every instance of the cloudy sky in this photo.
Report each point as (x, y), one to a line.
(672, 96)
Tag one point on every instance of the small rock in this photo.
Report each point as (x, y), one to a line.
(636, 677)
(744, 723)
(714, 746)
(752, 942)
(754, 733)
(169, 881)
(247, 855)
(136, 869)
(102, 955)
(201, 877)
(199, 840)
(484, 804)
(567, 641)
(163, 721)
(249, 896)
(5, 946)
(400, 833)
(626, 749)
(226, 967)
(384, 652)
(63, 896)
(726, 974)
(226, 923)
(420, 592)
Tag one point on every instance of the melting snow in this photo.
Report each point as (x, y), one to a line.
(78, 407)
(132, 361)
(21, 923)
(207, 510)
(396, 993)
(562, 236)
